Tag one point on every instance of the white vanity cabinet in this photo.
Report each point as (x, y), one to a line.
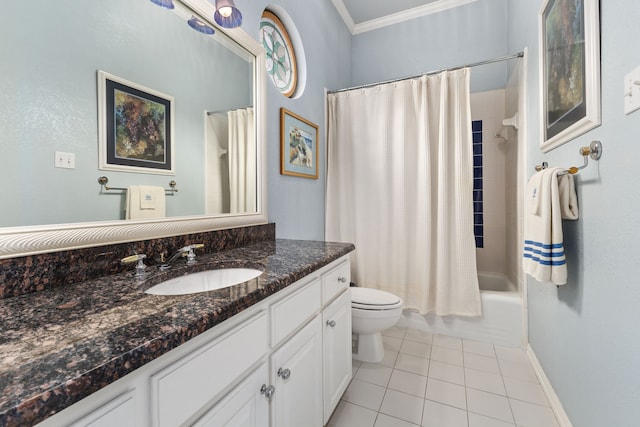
(297, 366)
(245, 406)
(284, 361)
(337, 366)
(118, 412)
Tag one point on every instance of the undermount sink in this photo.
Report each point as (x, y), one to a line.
(204, 281)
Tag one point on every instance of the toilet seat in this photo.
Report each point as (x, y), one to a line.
(374, 299)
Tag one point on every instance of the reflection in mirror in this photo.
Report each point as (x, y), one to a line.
(49, 109)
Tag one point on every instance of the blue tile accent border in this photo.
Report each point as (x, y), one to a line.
(478, 203)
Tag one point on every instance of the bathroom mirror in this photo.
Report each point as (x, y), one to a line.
(50, 123)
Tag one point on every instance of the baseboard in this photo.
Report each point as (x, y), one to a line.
(554, 400)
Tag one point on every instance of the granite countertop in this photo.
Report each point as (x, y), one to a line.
(59, 345)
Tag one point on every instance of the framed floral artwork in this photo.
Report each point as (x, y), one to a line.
(569, 33)
(135, 127)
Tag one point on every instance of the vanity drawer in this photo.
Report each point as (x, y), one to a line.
(185, 387)
(294, 310)
(335, 281)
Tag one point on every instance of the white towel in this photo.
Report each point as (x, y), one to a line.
(544, 257)
(568, 198)
(145, 201)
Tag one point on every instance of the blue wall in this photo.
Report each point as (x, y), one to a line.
(585, 334)
(296, 205)
(470, 33)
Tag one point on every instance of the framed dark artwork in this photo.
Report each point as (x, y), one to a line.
(569, 32)
(298, 146)
(135, 127)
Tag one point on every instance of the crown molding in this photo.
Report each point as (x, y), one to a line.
(395, 18)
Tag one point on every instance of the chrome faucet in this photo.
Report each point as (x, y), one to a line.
(140, 266)
(186, 251)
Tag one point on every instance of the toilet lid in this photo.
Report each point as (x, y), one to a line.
(368, 298)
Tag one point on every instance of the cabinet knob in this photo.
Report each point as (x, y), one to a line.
(284, 373)
(331, 323)
(267, 390)
(342, 279)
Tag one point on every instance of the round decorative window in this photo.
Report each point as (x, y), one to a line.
(281, 58)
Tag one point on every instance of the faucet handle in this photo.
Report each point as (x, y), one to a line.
(140, 266)
(191, 256)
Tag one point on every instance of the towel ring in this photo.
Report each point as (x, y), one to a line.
(594, 150)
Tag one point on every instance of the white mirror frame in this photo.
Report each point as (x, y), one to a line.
(31, 240)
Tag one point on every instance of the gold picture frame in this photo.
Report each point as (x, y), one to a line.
(298, 146)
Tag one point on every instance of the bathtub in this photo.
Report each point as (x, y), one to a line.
(501, 321)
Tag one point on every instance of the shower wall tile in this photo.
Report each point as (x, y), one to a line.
(487, 110)
(478, 202)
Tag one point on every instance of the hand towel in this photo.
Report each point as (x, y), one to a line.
(145, 201)
(533, 190)
(544, 257)
(568, 198)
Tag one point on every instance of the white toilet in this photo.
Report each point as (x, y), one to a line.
(372, 311)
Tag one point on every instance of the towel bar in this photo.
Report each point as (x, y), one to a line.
(103, 181)
(594, 150)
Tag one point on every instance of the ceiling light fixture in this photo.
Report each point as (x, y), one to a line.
(227, 14)
(200, 26)
(164, 3)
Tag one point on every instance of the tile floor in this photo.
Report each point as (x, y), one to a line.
(440, 381)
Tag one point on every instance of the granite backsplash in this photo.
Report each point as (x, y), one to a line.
(22, 275)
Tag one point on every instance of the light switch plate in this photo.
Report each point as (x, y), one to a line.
(65, 160)
(632, 91)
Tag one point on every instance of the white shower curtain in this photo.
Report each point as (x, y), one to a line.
(400, 186)
(242, 160)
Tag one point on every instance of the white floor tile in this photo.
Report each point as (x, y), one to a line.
(374, 373)
(408, 382)
(446, 372)
(416, 348)
(516, 370)
(476, 347)
(446, 355)
(447, 342)
(440, 381)
(484, 381)
(530, 415)
(350, 415)
(477, 420)
(525, 390)
(391, 343)
(489, 404)
(413, 364)
(419, 336)
(389, 358)
(387, 421)
(403, 406)
(447, 393)
(517, 355)
(355, 365)
(438, 415)
(364, 394)
(395, 331)
(481, 363)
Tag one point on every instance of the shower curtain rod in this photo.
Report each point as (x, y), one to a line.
(209, 113)
(475, 64)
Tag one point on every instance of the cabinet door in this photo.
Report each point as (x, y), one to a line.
(336, 320)
(186, 387)
(121, 411)
(244, 406)
(296, 369)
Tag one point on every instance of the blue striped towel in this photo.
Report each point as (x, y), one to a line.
(543, 252)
